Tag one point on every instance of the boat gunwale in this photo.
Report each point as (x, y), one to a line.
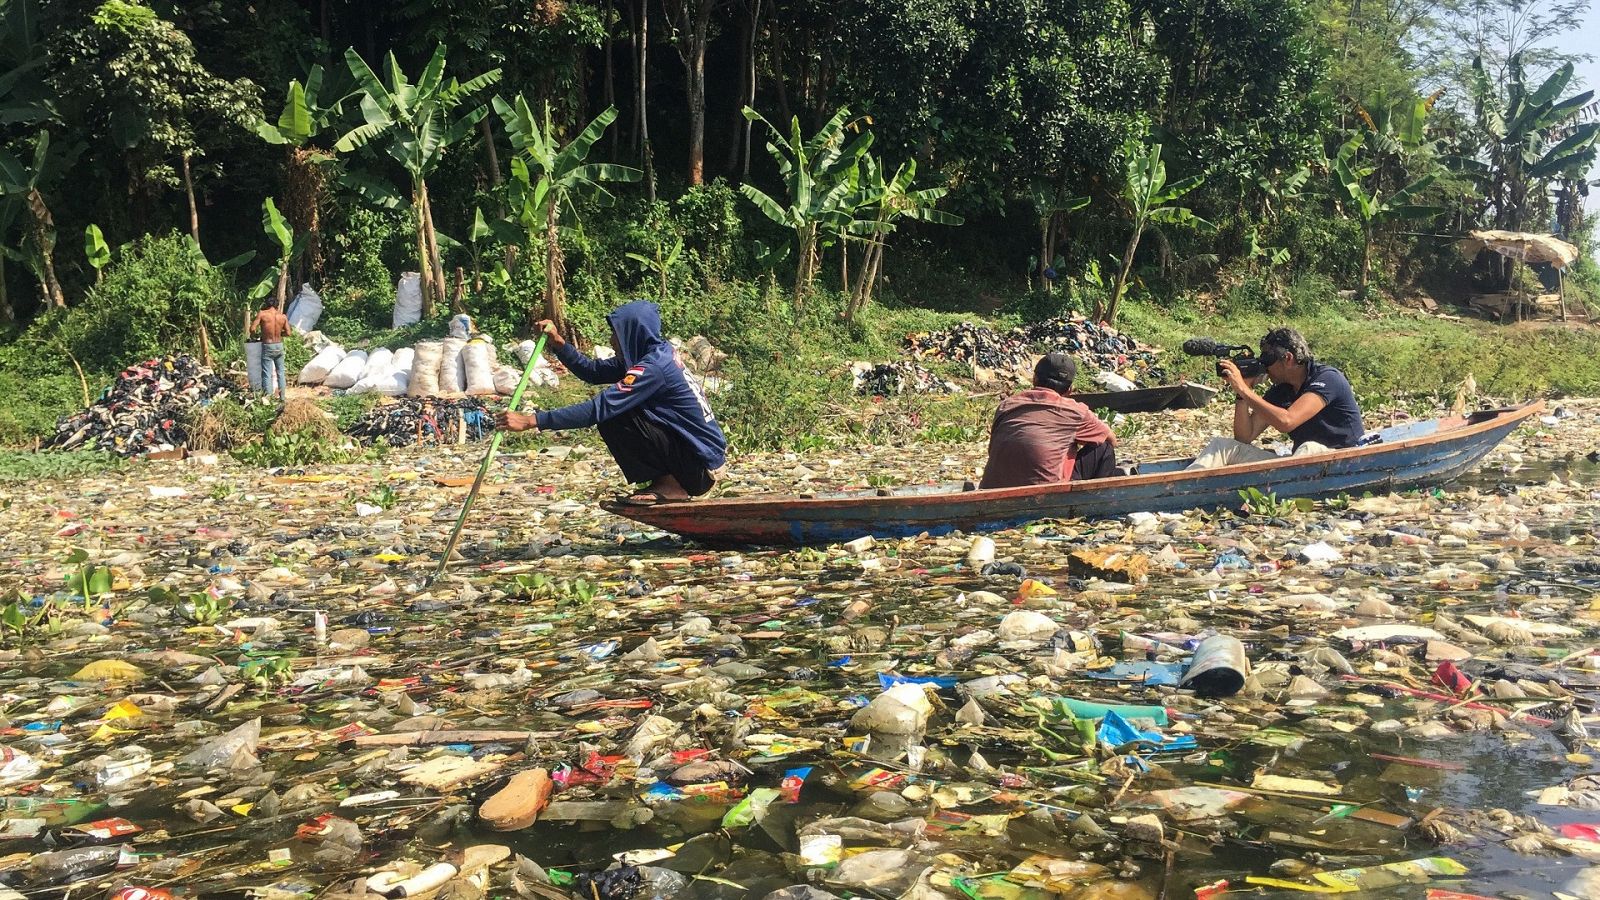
(757, 504)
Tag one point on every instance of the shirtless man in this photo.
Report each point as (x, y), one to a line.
(272, 326)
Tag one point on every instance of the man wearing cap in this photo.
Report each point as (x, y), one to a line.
(1043, 436)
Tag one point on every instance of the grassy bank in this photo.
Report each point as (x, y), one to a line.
(788, 382)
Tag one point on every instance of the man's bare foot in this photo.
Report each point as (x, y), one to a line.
(668, 488)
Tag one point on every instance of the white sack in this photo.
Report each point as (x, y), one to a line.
(452, 371)
(425, 369)
(379, 370)
(348, 371)
(305, 309)
(317, 370)
(399, 374)
(408, 299)
(252, 364)
(479, 360)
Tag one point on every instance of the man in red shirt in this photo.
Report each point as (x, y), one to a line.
(1043, 436)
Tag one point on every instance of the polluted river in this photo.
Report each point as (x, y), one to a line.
(226, 681)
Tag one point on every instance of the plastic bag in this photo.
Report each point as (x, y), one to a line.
(902, 709)
(234, 750)
(425, 369)
(399, 378)
(408, 299)
(461, 326)
(1111, 381)
(348, 371)
(452, 371)
(380, 365)
(478, 360)
(305, 309)
(506, 378)
(316, 371)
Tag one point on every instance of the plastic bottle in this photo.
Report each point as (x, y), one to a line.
(981, 553)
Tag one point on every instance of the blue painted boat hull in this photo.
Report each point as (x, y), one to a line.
(1422, 454)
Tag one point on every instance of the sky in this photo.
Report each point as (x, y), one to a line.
(1586, 39)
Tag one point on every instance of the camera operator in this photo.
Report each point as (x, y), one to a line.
(1308, 401)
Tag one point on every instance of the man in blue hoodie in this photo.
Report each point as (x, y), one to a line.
(652, 416)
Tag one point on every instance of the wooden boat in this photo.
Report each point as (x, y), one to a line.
(1168, 396)
(1428, 452)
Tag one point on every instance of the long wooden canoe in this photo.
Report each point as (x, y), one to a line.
(1427, 452)
(1154, 399)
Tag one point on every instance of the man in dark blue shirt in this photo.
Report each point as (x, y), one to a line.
(1308, 401)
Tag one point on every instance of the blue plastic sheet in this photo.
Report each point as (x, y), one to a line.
(1117, 733)
(942, 682)
(1142, 672)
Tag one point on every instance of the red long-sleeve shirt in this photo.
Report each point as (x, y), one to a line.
(1036, 436)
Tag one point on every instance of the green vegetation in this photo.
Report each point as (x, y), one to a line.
(21, 467)
(856, 170)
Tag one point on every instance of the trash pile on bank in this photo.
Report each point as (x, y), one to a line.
(427, 421)
(144, 410)
(1280, 700)
(1012, 354)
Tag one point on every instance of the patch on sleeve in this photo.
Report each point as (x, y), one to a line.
(626, 384)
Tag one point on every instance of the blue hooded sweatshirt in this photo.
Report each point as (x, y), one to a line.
(648, 377)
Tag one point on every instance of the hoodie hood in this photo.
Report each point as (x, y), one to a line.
(637, 326)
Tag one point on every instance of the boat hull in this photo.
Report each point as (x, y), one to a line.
(1451, 449)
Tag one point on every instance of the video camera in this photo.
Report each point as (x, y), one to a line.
(1243, 356)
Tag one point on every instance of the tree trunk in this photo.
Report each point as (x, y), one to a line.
(609, 87)
(490, 152)
(555, 272)
(429, 301)
(784, 112)
(45, 243)
(1044, 253)
(424, 266)
(750, 96)
(695, 61)
(1122, 276)
(1366, 262)
(7, 314)
(642, 80)
(746, 27)
(807, 264)
(457, 304)
(327, 23)
(194, 211)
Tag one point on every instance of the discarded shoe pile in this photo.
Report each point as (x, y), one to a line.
(1099, 347)
(888, 379)
(142, 411)
(429, 421)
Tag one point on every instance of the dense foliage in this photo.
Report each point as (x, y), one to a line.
(738, 158)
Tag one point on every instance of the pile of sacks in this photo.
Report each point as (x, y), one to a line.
(465, 363)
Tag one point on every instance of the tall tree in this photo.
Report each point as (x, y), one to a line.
(690, 21)
(135, 84)
(304, 117)
(545, 177)
(23, 183)
(880, 203)
(1147, 198)
(1374, 206)
(418, 125)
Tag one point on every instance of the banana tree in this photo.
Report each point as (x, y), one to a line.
(303, 118)
(816, 175)
(1052, 208)
(418, 125)
(1148, 198)
(1530, 138)
(880, 203)
(96, 250)
(1372, 207)
(545, 176)
(660, 264)
(24, 182)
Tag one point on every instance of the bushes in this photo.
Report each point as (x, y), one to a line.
(149, 304)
